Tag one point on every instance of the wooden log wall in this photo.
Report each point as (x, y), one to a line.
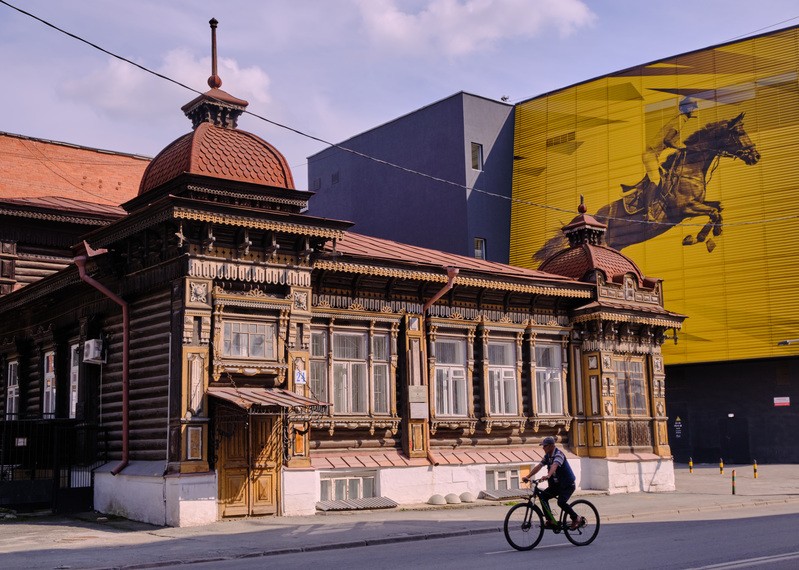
(149, 378)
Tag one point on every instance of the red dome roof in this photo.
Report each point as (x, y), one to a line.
(579, 261)
(219, 152)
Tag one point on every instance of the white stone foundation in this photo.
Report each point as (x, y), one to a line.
(142, 493)
(629, 474)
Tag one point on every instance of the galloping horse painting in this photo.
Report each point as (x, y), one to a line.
(647, 210)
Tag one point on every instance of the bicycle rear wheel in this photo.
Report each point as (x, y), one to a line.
(587, 531)
(524, 526)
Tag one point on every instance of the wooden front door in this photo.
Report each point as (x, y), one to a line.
(249, 461)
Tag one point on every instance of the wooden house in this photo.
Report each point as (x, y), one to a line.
(225, 354)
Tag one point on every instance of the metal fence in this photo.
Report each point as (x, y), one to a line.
(50, 463)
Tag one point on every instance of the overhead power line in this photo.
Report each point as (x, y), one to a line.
(367, 156)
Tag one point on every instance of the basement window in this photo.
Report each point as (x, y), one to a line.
(342, 487)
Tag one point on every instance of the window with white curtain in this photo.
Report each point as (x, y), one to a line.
(49, 385)
(630, 387)
(360, 381)
(243, 339)
(74, 375)
(12, 390)
(502, 378)
(318, 373)
(450, 385)
(549, 378)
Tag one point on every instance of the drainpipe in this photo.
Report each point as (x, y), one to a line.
(80, 261)
(452, 272)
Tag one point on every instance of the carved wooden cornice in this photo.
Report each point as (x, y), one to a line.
(254, 298)
(39, 289)
(468, 425)
(331, 424)
(55, 217)
(663, 321)
(182, 213)
(550, 421)
(432, 277)
(300, 203)
(491, 422)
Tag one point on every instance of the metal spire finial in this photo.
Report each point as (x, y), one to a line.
(214, 82)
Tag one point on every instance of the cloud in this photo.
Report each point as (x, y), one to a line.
(124, 91)
(460, 27)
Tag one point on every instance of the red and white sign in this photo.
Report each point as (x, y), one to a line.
(782, 401)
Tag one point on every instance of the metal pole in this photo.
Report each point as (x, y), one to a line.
(690, 465)
(721, 467)
(755, 468)
(733, 481)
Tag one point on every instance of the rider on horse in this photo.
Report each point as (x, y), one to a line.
(650, 191)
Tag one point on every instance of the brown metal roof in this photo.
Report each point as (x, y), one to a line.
(37, 168)
(228, 154)
(63, 205)
(258, 399)
(575, 262)
(372, 248)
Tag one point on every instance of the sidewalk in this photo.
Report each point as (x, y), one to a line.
(93, 542)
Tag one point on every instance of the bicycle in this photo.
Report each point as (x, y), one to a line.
(525, 522)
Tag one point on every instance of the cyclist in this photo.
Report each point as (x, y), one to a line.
(561, 479)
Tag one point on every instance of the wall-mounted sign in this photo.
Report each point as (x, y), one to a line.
(782, 401)
(678, 428)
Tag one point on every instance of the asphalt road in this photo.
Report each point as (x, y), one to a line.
(748, 538)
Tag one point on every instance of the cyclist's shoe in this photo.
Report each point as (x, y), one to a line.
(577, 523)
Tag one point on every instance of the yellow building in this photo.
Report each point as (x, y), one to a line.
(691, 161)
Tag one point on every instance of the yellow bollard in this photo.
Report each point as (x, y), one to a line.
(733, 481)
(690, 465)
(755, 468)
(721, 467)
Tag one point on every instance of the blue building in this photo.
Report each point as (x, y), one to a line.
(464, 146)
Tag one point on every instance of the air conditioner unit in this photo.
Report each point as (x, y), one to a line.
(93, 351)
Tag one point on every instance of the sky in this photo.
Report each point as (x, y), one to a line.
(326, 69)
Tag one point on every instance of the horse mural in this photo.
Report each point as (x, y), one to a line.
(647, 210)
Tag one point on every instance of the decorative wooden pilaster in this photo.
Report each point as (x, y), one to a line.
(194, 371)
(416, 409)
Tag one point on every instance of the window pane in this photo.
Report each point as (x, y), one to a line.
(341, 489)
(458, 393)
(319, 380)
(501, 354)
(236, 348)
(358, 387)
(381, 388)
(477, 156)
(318, 344)
(509, 385)
(325, 490)
(256, 345)
(496, 390)
(380, 347)
(450, 352)
(368, 489)
(442, 391)
(348, 346)
(340, 387)
(354, 489)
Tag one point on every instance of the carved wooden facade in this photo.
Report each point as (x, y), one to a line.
(256, 349)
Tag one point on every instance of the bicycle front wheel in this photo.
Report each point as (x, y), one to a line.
(588, 516)
(524, 526)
